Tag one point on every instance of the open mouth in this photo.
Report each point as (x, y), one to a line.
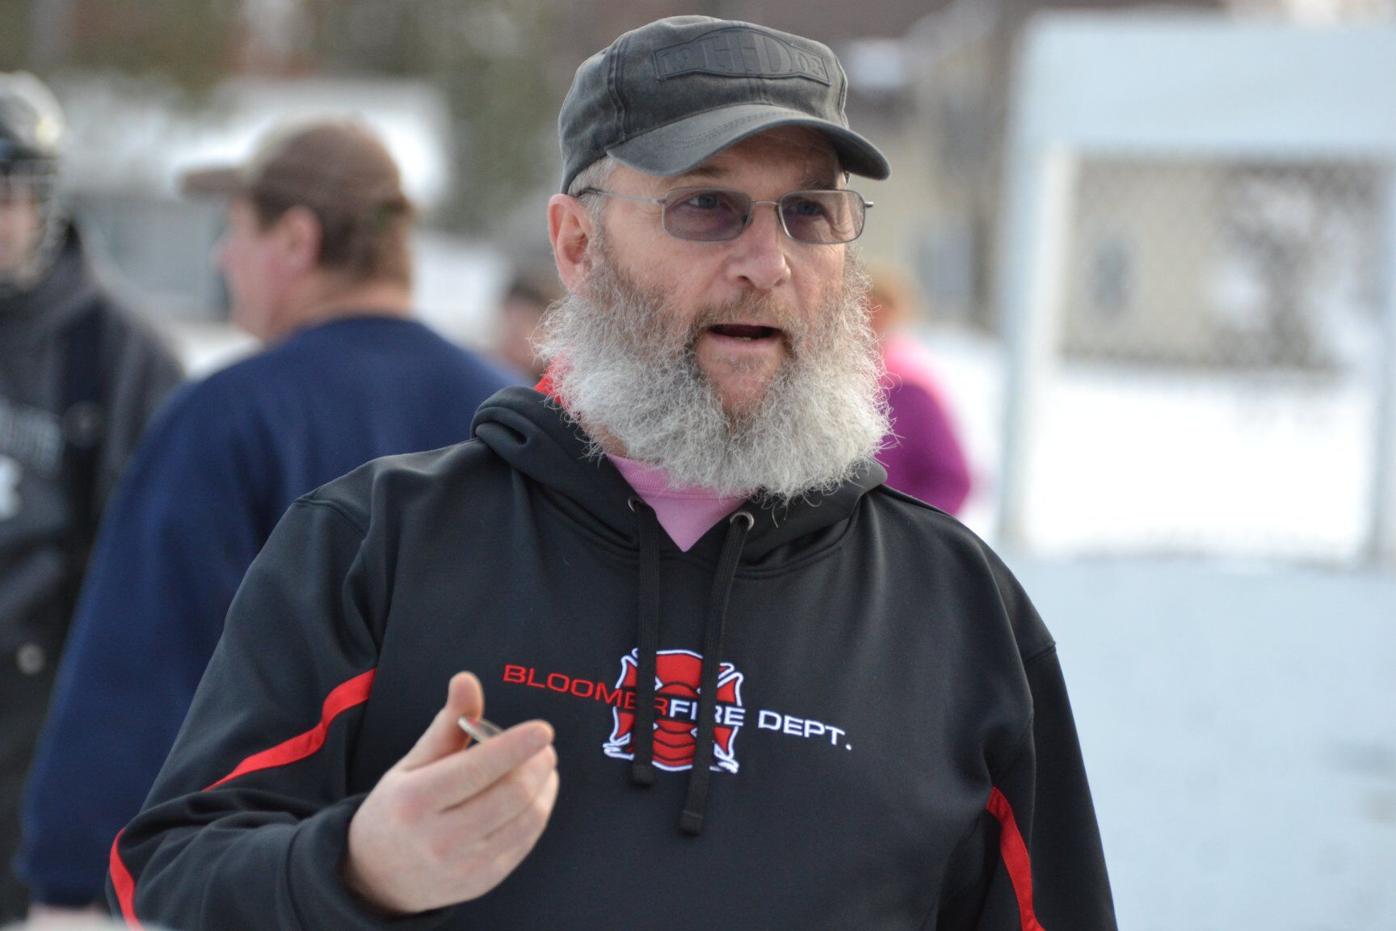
(744, 331)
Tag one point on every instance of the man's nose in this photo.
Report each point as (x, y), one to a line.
(761, 250)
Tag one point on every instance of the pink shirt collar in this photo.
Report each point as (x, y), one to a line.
(684, 513)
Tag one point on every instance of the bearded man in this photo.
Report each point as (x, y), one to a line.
(749, 686)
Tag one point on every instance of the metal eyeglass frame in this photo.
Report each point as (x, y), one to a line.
(665, 202)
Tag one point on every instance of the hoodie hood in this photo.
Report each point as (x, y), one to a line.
(533, 434)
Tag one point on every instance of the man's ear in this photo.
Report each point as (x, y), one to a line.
(570, 229)
(298, 233)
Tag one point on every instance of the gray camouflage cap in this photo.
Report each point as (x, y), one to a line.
(667, 96)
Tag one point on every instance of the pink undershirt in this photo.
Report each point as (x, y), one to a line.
(684, 513)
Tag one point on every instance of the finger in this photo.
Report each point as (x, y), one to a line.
(513, 840)
(445, 783)
(506, 798)
(443, 735)
(487, 861)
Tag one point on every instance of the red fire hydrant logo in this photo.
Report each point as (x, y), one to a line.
(678, 674)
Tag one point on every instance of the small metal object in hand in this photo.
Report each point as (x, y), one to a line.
(480, 730)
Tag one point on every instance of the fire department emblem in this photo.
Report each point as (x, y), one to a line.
(676, 684)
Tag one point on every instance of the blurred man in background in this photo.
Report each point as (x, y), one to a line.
(923, 457)
(521, 311)
(318, 265)
(79, 377)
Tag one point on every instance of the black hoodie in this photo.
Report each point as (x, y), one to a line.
(891, 741)
(135, 370)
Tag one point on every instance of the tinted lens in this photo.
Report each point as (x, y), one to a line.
(823, 216)
(705, 214)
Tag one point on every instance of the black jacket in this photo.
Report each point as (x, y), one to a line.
(79, 379)
(892, 745)
(67, 321)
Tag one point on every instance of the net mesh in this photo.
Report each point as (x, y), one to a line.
(1216, 363)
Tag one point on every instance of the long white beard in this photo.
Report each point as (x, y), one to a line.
(623, 363)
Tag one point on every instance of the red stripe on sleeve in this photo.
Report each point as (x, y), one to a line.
(124, 885)
(1015, 858)
(346, 695)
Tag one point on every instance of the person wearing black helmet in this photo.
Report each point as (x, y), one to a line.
(79, 377)
(31, 127)
(744, 684)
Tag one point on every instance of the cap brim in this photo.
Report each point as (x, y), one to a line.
(681, 146)
(224, 181)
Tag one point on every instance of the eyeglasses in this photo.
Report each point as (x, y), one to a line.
(717, 214)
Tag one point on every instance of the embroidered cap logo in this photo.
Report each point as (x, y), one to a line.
(739, 53)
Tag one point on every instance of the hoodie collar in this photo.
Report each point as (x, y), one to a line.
(531, 432)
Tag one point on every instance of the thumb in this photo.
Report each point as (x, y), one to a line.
(443, 736)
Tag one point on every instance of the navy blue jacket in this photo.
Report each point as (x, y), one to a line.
(204, 491)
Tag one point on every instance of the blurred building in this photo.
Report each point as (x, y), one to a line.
(947, 122)
(1196, 274)
(1224, 263)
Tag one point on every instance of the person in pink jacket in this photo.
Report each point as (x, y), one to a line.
(923, 456)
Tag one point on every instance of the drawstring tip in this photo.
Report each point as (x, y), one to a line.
(642, 774)
(691, 823)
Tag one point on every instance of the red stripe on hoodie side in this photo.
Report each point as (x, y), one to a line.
(346, 695)
(1015, 858)
(124, 885)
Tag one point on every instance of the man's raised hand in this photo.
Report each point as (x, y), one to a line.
(446, 824)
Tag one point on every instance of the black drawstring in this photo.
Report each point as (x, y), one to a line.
(695, 806)
(642, 736)
(642, 733)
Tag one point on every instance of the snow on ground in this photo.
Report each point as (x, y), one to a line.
(1131, 460)
(1237, 728)
(1222, 464)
